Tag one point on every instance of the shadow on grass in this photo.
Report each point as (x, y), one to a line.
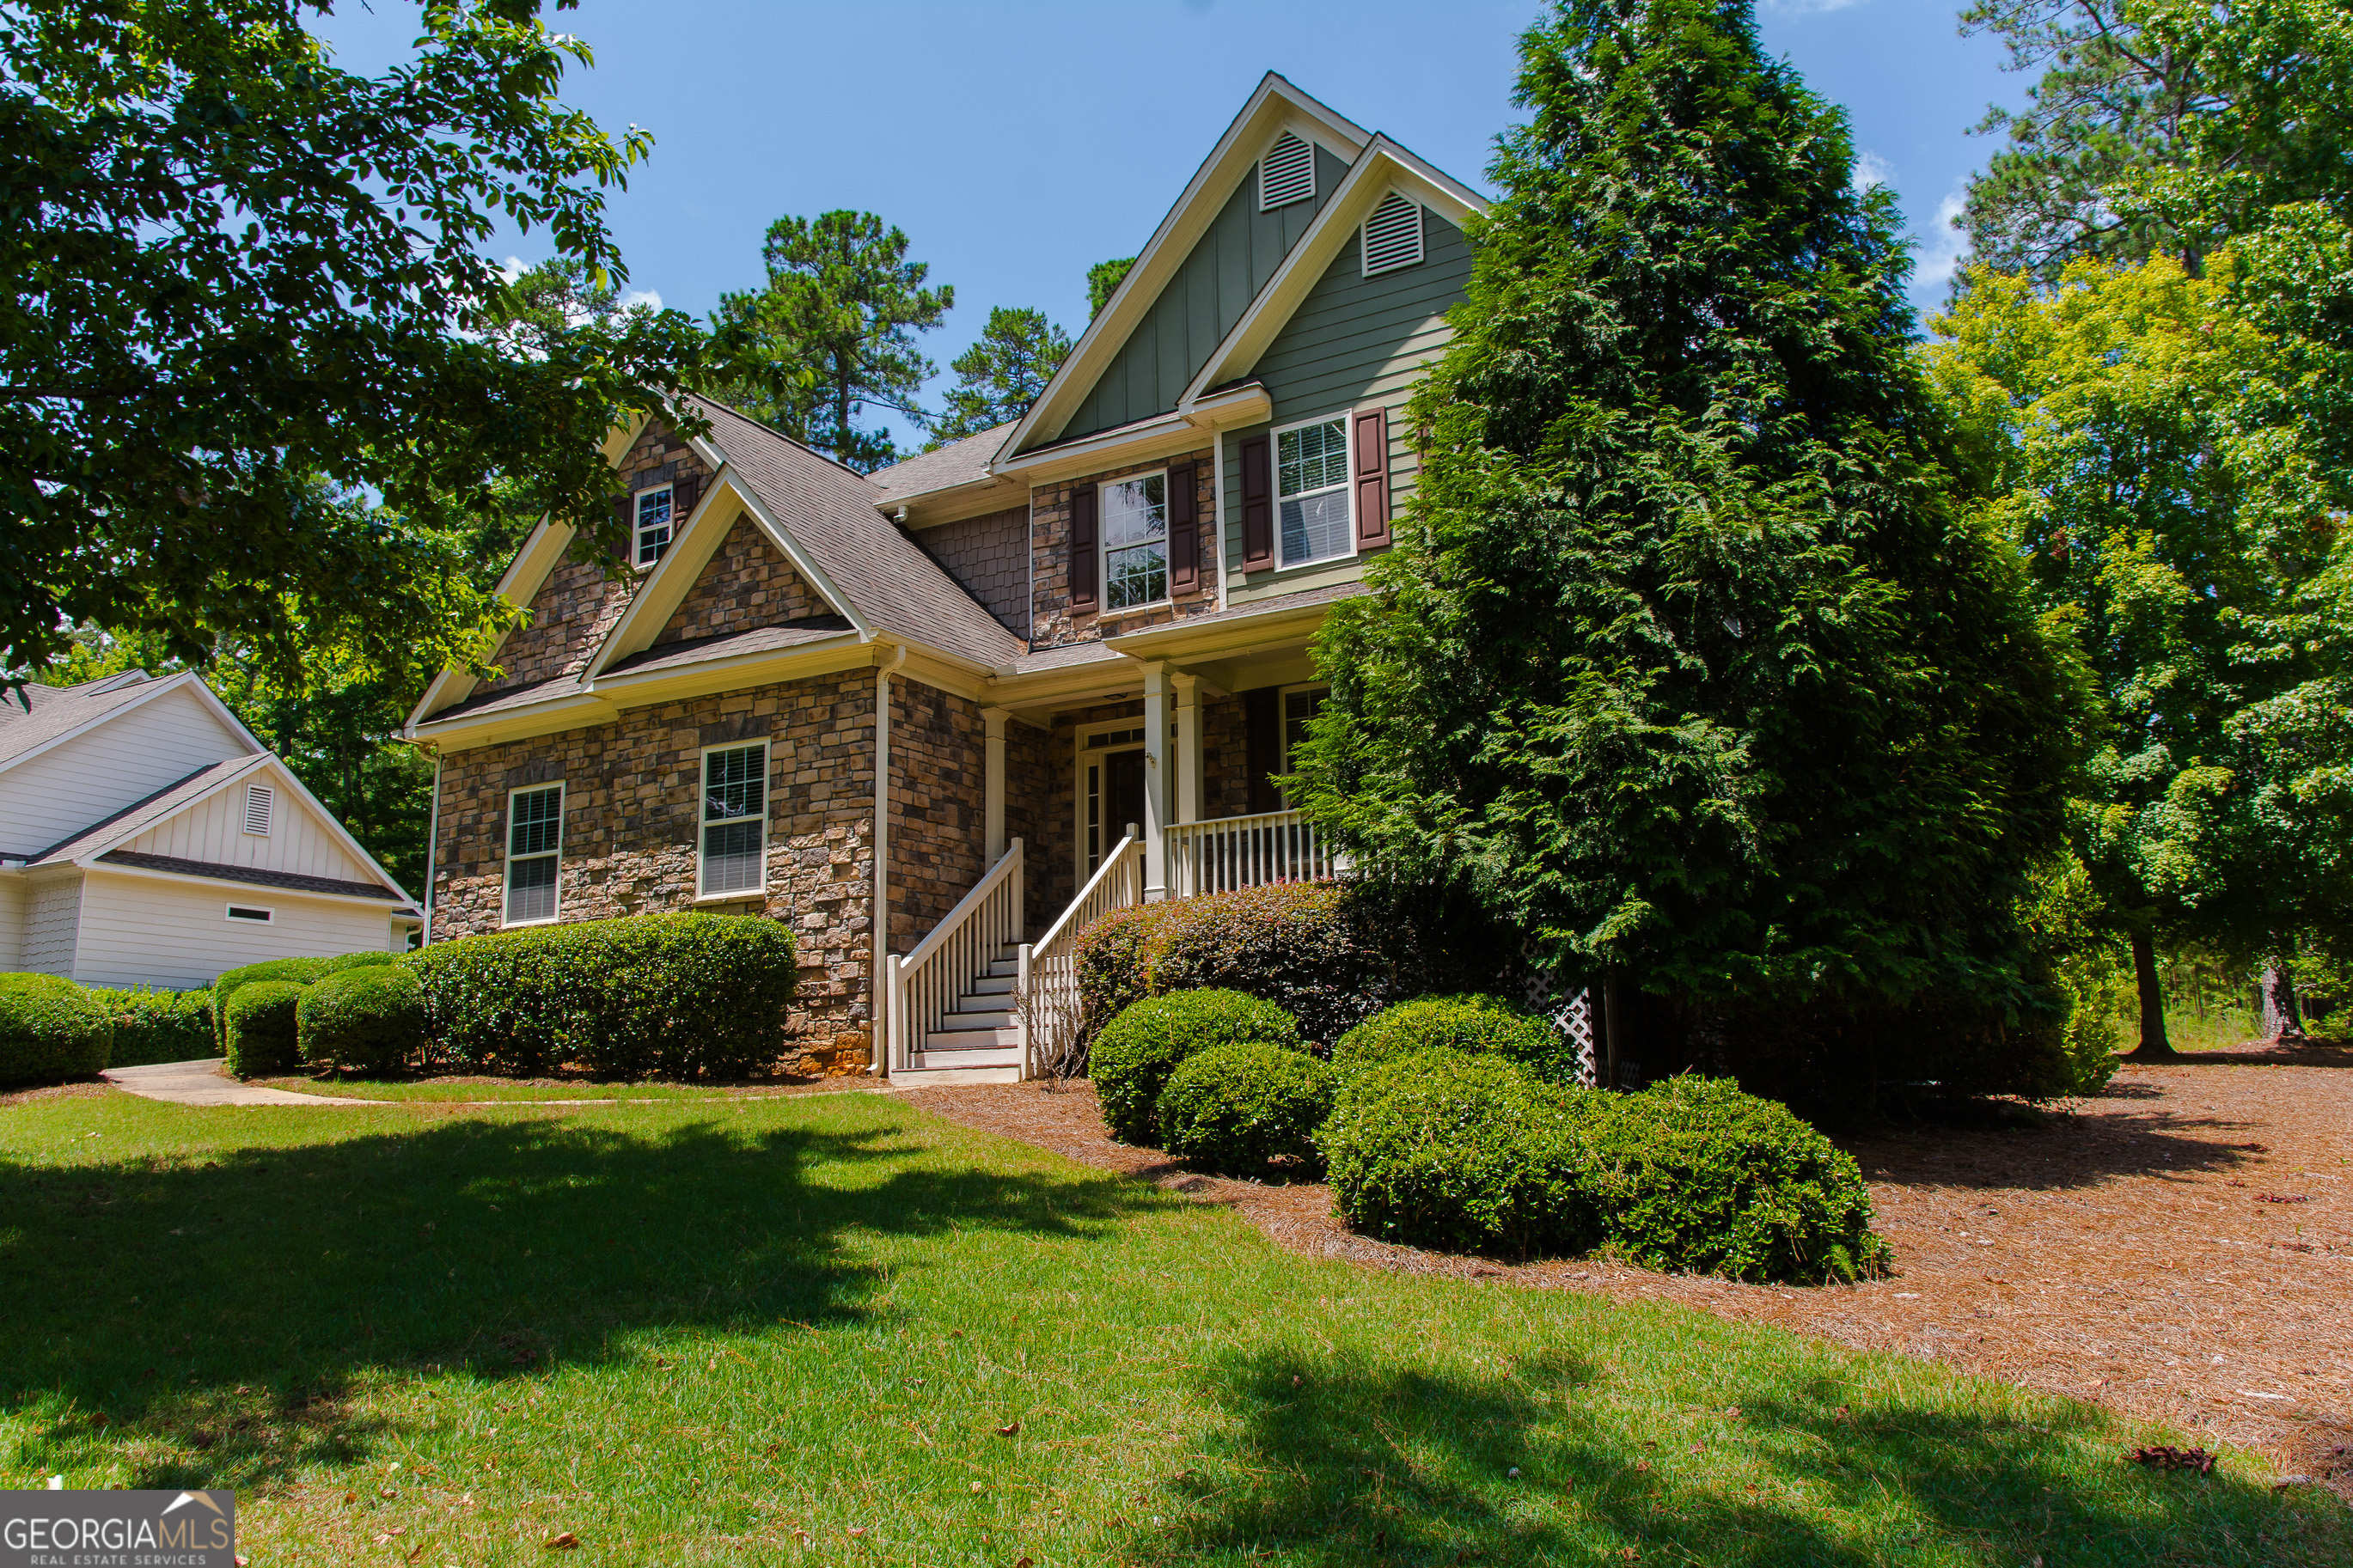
(227, 1305)
(1328, 1459)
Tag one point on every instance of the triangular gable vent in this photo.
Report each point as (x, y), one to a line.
(1392, 235)
(1286, 174)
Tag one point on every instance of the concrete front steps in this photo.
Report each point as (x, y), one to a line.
(978, 1042)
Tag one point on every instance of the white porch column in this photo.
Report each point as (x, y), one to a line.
(992, 784)
(1156, 771)
(1188, 748)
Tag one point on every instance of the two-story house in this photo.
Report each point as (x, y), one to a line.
(944, 691)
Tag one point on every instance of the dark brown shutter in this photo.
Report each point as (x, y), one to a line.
(1082, 547)
(1258, 507)
(1262, 734)
(624, 514)
(1373, 479)
(685, 491)
(1183, 529)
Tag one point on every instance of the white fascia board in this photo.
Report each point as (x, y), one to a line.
(1274, 105)
(1089, 455)
(767, 666)
(472, 730)
(278, 766)
(152, 691)
(261, 889)
(1384, 167)
(542, 547)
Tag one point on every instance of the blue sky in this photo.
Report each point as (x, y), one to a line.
(1018, 143)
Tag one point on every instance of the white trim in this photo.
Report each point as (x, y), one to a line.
(638, 530)
(703, 825)
(506, 855)
(1401, 261)
(213, 885)
(1080, 752)
(1103, 545)
(266, 798)
(242, 914)
(1346, 419)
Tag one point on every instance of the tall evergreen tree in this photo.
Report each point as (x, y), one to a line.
(1684, 664)
(1001, 375)
(1103, 279)
(833, 334)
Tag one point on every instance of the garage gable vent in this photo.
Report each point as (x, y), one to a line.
(258, 799)
(1392, 235)
(1286, 174)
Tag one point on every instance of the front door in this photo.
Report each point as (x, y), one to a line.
(1125, 792)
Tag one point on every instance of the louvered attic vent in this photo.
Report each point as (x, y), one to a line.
(258, 799)
(1392, 235)
(1286, 174)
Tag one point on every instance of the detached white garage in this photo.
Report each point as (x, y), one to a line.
(148, 838)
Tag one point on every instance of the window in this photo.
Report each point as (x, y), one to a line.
(1135, 541)
(258, 801)
(535, 844)
(1299, 705)
(251, 914)
(653, 524)
(1392, 235)
(1310, 487)
(1286, 174)
(735, 819)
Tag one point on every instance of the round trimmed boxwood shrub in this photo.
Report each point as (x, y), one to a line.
(1467, 1154)
(1238, 1109)
(50, 1030)
(1132, 1058)
(362, 1019)
(259, 1023)
(1698, 1177)
(1478, 1025)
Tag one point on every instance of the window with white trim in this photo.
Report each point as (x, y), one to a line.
(653, 523)
(1300, 703)
(260, 800)
(534, 846)
(1134, 512)
(1392, 235)
(1311, 491)
(734, 819)
(1287, 172)
(251, 914)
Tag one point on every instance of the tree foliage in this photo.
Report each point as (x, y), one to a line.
(833, 334)
(1683, 662)
(250, 383)
(1103, 279)
(1001, 375)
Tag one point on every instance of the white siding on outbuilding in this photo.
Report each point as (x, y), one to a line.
(176, 932)
(214, 830)
(12, 920)
(48, 798)
(52, 913)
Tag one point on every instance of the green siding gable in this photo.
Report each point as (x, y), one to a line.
(1197, 307)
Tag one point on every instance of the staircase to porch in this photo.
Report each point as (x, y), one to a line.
(982, 1028)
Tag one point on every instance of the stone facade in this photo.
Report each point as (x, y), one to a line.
(937, 779)
(1053, 621)
(1225, 757)
(630, 830)
(990, 559)
(746, 583)
(1045, 843)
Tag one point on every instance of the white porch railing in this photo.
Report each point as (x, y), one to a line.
(1047, 976)
(1231, 852)
(922, 988)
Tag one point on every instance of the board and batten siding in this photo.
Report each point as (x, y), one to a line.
(52, 916)
(1199, 305)
(214, 830)
(1354, 342)
(49, 798)
(176, 934)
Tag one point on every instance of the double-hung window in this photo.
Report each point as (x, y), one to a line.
(653, 523)
(1135, 541)
(534, 845)
(734, 819)
(1311, 466)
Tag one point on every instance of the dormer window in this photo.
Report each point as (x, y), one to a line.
(653, 523)
(1392, 235)
(1286, 174)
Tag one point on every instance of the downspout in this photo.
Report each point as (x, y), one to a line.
(878, 923)
(432, 841)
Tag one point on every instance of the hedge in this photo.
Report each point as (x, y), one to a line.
(1466, 1153)
(1134, 1056)
(674, 995)
(51, 1030)
(159, 1025)
(258, 1021)
(1477, 1024)
(368, 1020)
(297, 971)
(1240, 1109)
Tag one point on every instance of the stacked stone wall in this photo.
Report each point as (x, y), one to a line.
(746, 583)
(1053, 621)
(990, 559)
(937, 829)
(1225, 757)
(1045, 840)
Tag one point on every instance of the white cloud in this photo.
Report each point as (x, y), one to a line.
(635, 296)
(513, 268)
(1942, 250)
(1871, 169)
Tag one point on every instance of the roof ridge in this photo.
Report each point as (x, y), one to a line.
(766, 428)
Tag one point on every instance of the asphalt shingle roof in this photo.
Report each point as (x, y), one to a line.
(33, 716)
(957, 463)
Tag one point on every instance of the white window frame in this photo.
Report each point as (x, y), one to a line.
(269, 914)
(703, 825)
(1421, 237)
(1346, 419)
(1282, 727)
(1086, 857)
(269, 802)
(506, 868)
(1103, 546)
(637, 529)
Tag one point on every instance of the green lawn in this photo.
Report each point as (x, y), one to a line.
(686, 1332)
(472, 1090)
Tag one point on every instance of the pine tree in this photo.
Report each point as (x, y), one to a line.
(1001, 375)
(1103, 279)
(1684, 665)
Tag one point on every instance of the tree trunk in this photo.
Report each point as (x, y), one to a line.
(2153, 1043)
(2283, 1019)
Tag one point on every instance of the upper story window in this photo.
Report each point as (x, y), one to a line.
(1311, 479)
(1392, 236)
(534, 845)
(735, 819)
(1135, 541)
(653, 523)
(1286, 174)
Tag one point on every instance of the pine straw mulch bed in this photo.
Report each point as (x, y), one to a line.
(2122, 1252)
